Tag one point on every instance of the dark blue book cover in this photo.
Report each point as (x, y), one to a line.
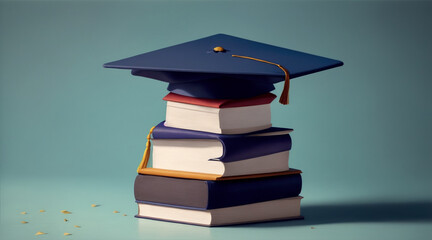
(204, 194)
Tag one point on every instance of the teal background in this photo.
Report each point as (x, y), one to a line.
(72, 133)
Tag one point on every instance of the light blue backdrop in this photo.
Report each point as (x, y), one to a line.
(72, 133)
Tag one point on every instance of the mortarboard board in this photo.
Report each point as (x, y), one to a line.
(224, 67)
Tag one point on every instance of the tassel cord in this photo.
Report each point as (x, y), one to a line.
(146, 155)
(284, 98)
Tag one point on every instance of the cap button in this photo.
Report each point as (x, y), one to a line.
(219, 49)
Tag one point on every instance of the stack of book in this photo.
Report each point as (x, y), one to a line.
(219, 162)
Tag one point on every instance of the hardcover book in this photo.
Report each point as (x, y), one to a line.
(199, 194)
(265, 151)
(223, 116)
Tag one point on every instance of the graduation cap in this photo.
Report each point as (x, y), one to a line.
(224, 67)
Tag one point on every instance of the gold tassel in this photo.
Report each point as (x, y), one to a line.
(284, 98)
(146, 155)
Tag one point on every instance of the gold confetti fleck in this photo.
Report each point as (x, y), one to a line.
(41, 210)
(77, 226)
(65, 220)
(65, 212)
(124, 214)
(116, 212)
(95, 205)
(23, 212)
(24, 222)
(40, 233)
(67, 234)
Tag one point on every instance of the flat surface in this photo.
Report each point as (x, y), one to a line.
(332, 219)
(73, 133)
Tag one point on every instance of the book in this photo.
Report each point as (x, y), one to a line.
(223, 116)
(199, 194)
(265, 151)
(275, 210)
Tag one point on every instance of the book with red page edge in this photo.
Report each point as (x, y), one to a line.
(222, 103)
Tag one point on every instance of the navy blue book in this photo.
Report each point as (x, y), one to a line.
(219, 155)
(202, 195)
(235, 146)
